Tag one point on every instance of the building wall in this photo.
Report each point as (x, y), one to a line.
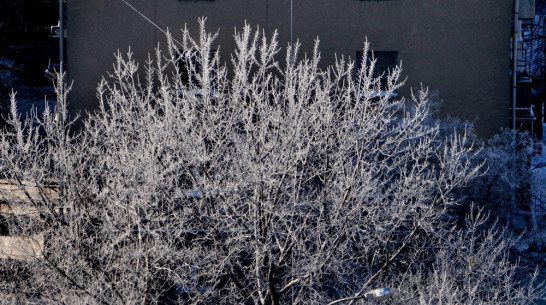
(16, 199)
(461, 48)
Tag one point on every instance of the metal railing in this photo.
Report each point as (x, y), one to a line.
(539, 202)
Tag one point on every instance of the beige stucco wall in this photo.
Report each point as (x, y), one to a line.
(21, 248)
(459, 47)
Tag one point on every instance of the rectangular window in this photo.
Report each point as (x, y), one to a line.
(385, 63)
(190, 66)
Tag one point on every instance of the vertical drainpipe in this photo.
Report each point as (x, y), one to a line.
(61, 56)
(291, 22)
(61, 82)
(514, 89)
(515, 28)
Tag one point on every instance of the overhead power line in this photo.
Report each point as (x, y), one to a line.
(149, 20)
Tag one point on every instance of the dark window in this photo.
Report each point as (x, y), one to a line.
(190, 66)
(385, 63)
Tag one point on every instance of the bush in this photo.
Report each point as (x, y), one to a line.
(506, 186)
(261, 185)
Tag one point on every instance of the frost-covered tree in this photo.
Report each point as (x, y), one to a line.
(507, 184)
(270, 183)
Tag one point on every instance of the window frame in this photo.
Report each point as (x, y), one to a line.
(386, 62)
